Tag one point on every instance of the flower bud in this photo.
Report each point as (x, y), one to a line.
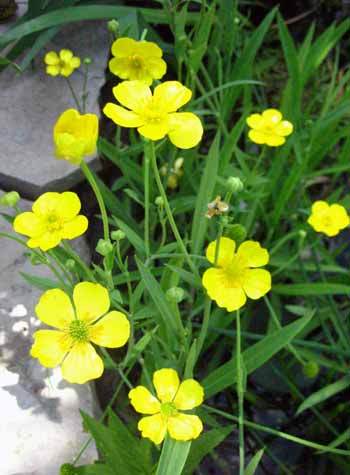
(113, 27)
(70, 264)
(175, 294)
(159, 201)
(104, 247)
(67, 469)
(234, 184)
(237, 232)
(118, 235)
(87, 61)
(302, 234)
(10, 199)
(311, 369)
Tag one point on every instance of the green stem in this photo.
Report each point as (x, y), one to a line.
(91, 179)
(85, 93)
(169, 213)
(240, 394)
(146, 167)
(78, 260)
(75, 97)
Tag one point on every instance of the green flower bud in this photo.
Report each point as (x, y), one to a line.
(302, 234)
(175, 294)
(87, 61)
(104, 247)
(311, 369)
(10, 199)
(70, 264)
(159, 201)
(113, 27)
(118, 235)
(237, 232)
(67, 469)
(234, 184)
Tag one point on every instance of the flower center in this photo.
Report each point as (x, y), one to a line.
(326, 221)
(136, 62)
(53, 222)
(79, 331)
(168, 409)
(234, 272)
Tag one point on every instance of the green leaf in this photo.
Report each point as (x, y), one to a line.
(94, 469)
(254, 357)
(253, 464)
(7, 62)
(203, 446)
(323, 288)
(323, 394)
(173, 457)
(205, 195)
(132, 236)
(201, 37)
(41, 283)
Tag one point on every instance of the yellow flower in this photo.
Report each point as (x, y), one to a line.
(54, 217)
(165, 415)
(140, 60)
(328, 219)
(269, 128)
(155, 116)
(70, 346)
(75, 135)
(235, 276)
(63, 63)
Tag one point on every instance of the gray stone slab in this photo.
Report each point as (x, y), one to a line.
(40, 422)
(30, 105)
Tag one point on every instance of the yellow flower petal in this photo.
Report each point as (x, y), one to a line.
(166, 382)
(82, 364)
(75, 62)
(284, 128)
(153, 428)
(46, 241)
(68, 205)
(55, 308)
(143, 401)
(256, 283)
(189, 395)
(91, 301)
(123, 47)
(66, 55)
(29, 224)
(53, 70)
(134, 95)
(272, 115)
(340, 216)
(253, 254)
(255, 121)
(186, 129)
(147, 49)
(155, 131)
(87, 129)
(171, 95)
(257, 136)
(320, 207)
(184, 427)
(51, 58)
(112, 331)
(273, 140)
(46, 204)
(157, 67)
(50, 347)
(226, 251)
(121, 116)
(74, 228)
(66, 70)
(120, 67)
(217, 284)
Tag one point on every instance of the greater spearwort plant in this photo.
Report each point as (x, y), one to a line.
(219, 287)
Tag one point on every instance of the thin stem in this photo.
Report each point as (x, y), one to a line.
(77, 258)
(91, 179)
(146, 166)
(240, 394)
(85, 94)
(75, 97)
(168, 211)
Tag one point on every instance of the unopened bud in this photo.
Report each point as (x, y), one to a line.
(10, 199)
(70, 264)
(311, 369)
(87, 61)
(118, 235)
(67, 469)
(302, 234)
(234, 184)
(104, 247)
(159, 201)
(237, 232)
(113, 27)
(175, 294)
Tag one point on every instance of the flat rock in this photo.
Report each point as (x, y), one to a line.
(30, 105)
(41, 427)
